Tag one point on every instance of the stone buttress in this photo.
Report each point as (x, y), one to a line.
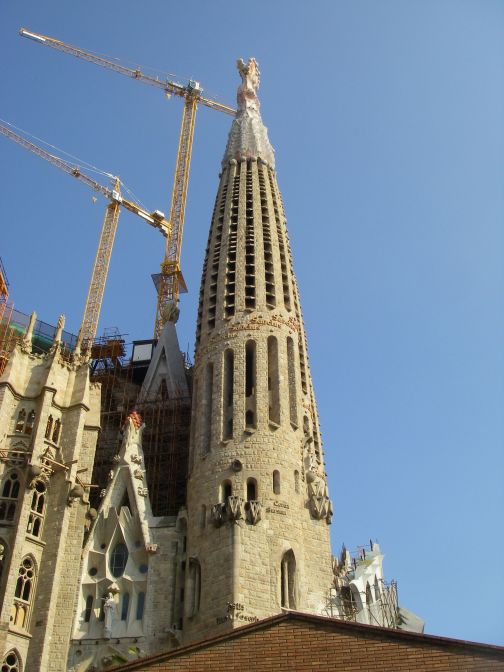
(258, 505)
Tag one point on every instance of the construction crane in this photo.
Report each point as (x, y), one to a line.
(108, 231)
(169, 282)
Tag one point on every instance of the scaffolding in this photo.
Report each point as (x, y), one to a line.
(165, 440)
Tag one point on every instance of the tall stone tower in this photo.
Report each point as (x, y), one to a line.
(258, 507)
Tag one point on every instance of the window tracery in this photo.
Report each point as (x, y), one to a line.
(11, 662)
(10, 494)
(23, 595)
(20, 422)
(37, 512)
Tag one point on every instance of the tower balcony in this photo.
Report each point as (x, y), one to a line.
(236, 508)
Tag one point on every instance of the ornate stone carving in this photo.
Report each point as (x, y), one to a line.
(321, 507)
(218, 513)
(254, 511)
(143, 492)
(138, 473)
(235, 507)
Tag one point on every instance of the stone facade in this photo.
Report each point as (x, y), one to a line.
(258, 505)
(49, 422)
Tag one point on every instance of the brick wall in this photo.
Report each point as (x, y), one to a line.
(298, 643)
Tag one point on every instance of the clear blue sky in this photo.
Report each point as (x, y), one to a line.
(387, 118)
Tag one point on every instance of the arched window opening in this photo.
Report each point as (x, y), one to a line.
(89, 608)
(208, 409)
(250, 384)
(276, 482)
(30, 422)
(251, 489)
(228, 395)
(296, 481)
(10, 494)
(288, 580)
(226, 490)
(377, 592)
(118, 559)
(20, 423)
(291, 369)
(140, 606)
(11, 663)
(56, 431)
(194, 585)
(24, 593)
(273, 381)
(125, 607)
(36, 517)
(49, 427)
(369, 594)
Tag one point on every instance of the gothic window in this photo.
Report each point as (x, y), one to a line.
(23, 595)
(276, 482)
(125, 607)
(10, 493)
(30, 422)
(11, 663)
(226, 490)
(118, 560)
(49, 427)
(273, 381)
(37, 513)
(140, 606)
(369, 595)
(56, 431)
(89, 608)
(20, 423)
(288, 580)
(296, 481)
(377, 589)
(251, 489)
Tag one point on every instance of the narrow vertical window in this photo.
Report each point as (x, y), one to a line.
(251, 489)
(140, 606)
(226, 490)
(288, 580)
(250, 384)
(30, 422)
(291, 369)
(125, 607)
(194, 586)
(228, 395)
(276, 482)
(89, 608)
(203, 517)
(273, 381)
(20, 422)
(207, 428)
(49, 427)
(56, 430)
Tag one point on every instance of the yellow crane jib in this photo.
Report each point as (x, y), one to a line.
(168, 283)
(101, 264)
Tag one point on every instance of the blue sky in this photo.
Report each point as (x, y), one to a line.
(387, 118)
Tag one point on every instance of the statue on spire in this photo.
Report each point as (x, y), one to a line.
(251, 78)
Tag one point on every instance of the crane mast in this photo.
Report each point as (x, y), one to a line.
(104, 252)
(169, 282)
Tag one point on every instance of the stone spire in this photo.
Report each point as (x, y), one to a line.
(248, 137)
(258, 505)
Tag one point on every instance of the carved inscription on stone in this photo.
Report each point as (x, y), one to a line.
(235, 613)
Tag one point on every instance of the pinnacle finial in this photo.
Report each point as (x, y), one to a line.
(251, 78)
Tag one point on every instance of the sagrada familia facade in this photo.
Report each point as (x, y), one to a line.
(86, 587)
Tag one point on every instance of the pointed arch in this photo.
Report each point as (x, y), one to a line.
(11, 485)
(38, 509)
(11, 662)
(288, 586)
(24, 592)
